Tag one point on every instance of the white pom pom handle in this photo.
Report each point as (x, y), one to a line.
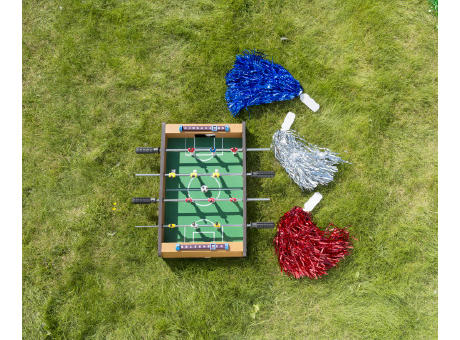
(312, 202)
(309, 101)
(288, 121)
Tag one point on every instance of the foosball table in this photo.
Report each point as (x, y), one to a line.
(202, 201)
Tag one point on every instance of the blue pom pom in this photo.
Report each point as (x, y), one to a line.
(254, 80)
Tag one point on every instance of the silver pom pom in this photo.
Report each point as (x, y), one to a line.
(308, 165)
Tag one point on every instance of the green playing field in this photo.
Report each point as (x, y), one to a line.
(203, 212)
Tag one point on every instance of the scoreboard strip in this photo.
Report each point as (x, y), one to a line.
(206, 128)
(202, 246)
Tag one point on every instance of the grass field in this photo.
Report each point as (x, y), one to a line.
(98, 78)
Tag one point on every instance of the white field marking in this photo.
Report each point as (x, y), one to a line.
(203, 219)
(211, 156)
(187, 154)
(205, 204)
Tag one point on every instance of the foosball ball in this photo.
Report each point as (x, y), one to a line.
(202, 200)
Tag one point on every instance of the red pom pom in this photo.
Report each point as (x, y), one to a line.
(305, 250)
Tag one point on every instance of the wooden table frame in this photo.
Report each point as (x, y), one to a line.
(168, 249)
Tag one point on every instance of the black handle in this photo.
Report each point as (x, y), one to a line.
(263, 225)
(263, 174)
(147, 149)
(143, 200)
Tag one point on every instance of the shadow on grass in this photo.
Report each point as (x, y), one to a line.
(179, 265)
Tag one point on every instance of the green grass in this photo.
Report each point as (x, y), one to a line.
(100, 76)
(434, 6)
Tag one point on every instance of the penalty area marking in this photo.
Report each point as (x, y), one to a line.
(185, 229)
(204, 232)
(197, 156)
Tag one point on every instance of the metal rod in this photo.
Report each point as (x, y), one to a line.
(190, 226)
(257, 225)
(197, 175)
(258, 149)
(216, 199)
(217, 150)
